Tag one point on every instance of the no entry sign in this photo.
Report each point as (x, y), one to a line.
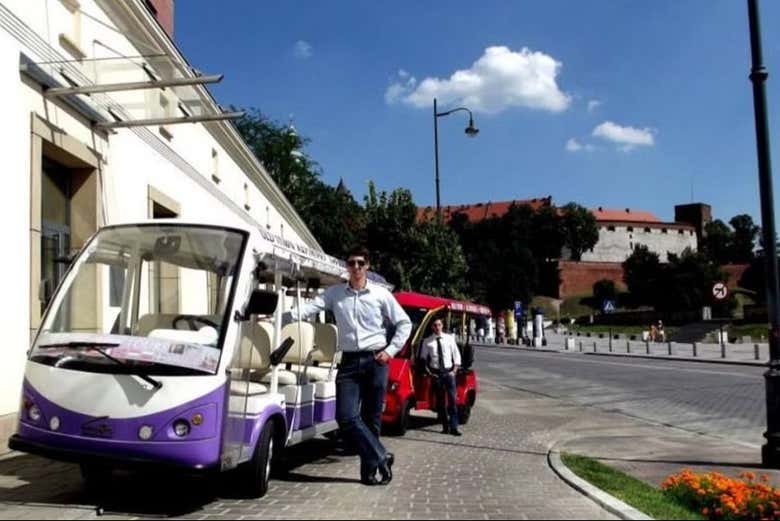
(720, 291)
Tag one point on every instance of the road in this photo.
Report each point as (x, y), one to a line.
(722, 400)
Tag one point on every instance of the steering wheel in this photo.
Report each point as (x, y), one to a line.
(191, 322)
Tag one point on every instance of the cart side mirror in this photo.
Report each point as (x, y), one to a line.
(261, 302)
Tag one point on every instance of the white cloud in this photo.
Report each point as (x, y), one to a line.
(627, 137)
(500, 79)
(303, 50)
(593, 105)
(401, 88)
(573, 145)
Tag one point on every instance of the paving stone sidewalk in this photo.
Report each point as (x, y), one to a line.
(497, 470)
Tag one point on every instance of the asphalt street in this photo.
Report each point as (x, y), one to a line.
(722, 400)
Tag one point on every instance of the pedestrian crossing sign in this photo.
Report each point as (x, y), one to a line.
(609, 306)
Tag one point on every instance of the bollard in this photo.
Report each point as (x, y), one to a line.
(695, 350)
(723, 350)
(647, 346)
(594, 347)
(628, 346)
(610, 340)
(758, 354)
(580, 346)
(670, 349)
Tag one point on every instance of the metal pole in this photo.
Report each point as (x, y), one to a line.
(436, 155)
(770, 452)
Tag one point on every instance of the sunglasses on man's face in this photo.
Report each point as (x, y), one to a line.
(354, 263)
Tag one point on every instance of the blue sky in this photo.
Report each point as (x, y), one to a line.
(606, 103)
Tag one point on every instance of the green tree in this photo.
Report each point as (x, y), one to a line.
(436, 263)
(744, 238)
(641, 273)
(718, 243)
(686, 282)
(604, 290)
(334, 217)
(579, 228)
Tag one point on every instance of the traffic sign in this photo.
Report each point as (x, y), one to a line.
(519, 308)
(608, 306)
(720, 291)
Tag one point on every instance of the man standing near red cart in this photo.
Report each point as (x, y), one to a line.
(441, 354)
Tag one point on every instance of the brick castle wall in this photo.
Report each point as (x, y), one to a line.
(577, 278)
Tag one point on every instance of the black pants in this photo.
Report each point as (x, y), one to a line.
(447, 399)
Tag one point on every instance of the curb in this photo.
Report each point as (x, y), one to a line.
(683, 359)
(609, 503)
(749, 363)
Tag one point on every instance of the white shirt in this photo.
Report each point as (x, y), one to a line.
(449, 348)
(361, 317)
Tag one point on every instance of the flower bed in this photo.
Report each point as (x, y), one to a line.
(721, 497)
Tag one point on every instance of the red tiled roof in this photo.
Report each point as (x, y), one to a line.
(480, 211)
(624, 215)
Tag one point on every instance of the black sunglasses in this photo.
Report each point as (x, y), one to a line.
(360, 263)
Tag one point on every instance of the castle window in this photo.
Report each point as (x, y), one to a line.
(631, 229)
(664, 230)
(648, 230)
(611, 228)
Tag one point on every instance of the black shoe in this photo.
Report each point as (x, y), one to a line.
(456, 432)
(369, 479)
(386, 469)
(445, 430)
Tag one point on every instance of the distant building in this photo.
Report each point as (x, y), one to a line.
(621, 231)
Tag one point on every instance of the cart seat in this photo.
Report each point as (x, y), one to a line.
(303, 336)
(254, 356)
(323, 357)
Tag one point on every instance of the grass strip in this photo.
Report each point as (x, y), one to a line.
(638, 494)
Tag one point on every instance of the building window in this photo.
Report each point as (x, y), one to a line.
(611, 228)
(72, 41)
(648, 230)
(681, 232)
(664, 230)
(215, 166)
(631, 229)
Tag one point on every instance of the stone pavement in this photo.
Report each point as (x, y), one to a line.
(497, 470)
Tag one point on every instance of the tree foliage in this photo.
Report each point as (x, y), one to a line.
(640, 273)
(736, 244)
(604, 290)
(579, 228)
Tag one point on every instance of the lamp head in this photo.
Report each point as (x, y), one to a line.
(471, 130)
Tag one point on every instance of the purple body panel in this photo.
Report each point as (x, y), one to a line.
(253, 425)
(324, 410)
(119, 437)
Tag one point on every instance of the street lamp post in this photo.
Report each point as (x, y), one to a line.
(471, 131)
(770, 452)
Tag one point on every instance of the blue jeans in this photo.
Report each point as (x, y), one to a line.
(447, 399)
(361, 385)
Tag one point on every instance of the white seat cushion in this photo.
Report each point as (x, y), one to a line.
(285, 378)
(316, 374)
(242, 387)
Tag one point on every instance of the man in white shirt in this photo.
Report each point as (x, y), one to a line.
(442, 358)
(362, 309)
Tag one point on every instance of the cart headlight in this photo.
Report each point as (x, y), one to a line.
(34, 413)
(181, 428)
(145, 433)
(54, 423)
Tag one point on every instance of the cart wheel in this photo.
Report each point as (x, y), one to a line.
(97, 478)
(464, 413)
(255, 474)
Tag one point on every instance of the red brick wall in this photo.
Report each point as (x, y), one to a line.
(578, 278)
(164, 10)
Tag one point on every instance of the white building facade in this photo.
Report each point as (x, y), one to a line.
(67, 172)
(617, 240)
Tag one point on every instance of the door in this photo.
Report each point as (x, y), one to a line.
(55, 228)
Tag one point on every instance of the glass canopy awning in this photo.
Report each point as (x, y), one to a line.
(130, 91)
